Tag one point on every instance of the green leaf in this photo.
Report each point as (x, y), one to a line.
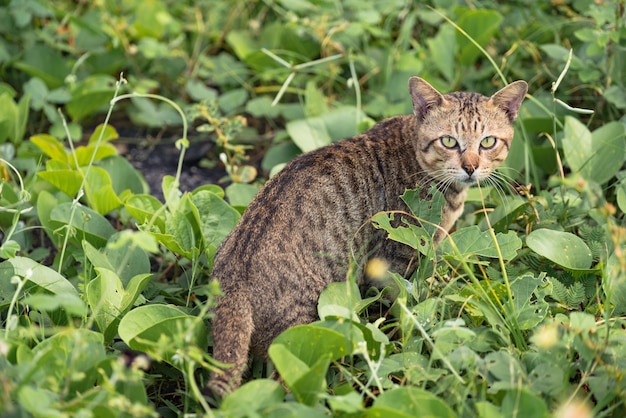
(230, 101)
(9, 249)
(109, 301)
(616, 95)
(42, 276)
(68, 181)
(152, 20)
(294, 410)
(216, 217)
(107, 132)
(302, 355)
(120, 255)
(442, 51)
(104, 295)
(412, 235)
(51, 147)
(90, 95)
(309, 342)
(42, 61)
(614, 284)
(262, 107)
(85, 224)
(123, 176)
(84, 154)
(480, 25)
(339, 300)
(308, 134)
(253, 397)
(521, 402)
(472, 241)
(144, 209)
(563, 248)
(39, 401)
(597, 156)
(171, 192)
(406, 402)
(13, 117)
(71, 356)
(315, 100)
(529, 309)
(69, 302)
(240, 195)
(428, 209)
(99, 191)
(343, 122)
(621, 195)
(156, 329)
(153, 114)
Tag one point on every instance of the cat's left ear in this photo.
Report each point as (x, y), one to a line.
(510, 98)
(424, 96)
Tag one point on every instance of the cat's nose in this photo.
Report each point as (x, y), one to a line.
(469, 168)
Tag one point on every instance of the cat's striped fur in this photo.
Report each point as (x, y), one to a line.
(297, 234)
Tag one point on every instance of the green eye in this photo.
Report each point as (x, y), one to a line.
(488, 142)
(448, 142)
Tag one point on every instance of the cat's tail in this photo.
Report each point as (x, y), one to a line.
(232, 331)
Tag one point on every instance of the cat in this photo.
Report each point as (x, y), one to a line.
(297, 234)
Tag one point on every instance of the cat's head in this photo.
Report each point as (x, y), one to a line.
(463, 137)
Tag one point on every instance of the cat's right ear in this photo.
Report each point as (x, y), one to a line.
(424, 96)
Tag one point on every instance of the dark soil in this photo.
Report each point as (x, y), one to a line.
(157, 160)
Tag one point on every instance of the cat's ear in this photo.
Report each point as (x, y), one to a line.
(510, 98)
(424, 96)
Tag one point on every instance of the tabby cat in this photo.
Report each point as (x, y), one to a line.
(297, 235)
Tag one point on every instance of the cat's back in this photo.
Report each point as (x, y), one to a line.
(316, 202)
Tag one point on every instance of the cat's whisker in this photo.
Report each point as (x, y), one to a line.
(493, 182)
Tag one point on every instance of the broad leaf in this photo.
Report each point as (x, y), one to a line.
(38, 274)
(85, 153)
(109, 300)
(339, 300)
(144, 208)
(99, 191)
(480, 25)
(68, 181)
(309, 134)
(216, 217)
(104, 133)
(155, 330)
(597, 156)
(85, 224)
(89, 95)
(472, 241)
(529, 309)
(521, 402)
(563, 248)
(51, 147)
(414, 236)
(406, 402)
(253, 397)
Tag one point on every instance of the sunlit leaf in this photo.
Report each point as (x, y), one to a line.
(50, 146)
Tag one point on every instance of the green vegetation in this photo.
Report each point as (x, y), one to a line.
(519, 313)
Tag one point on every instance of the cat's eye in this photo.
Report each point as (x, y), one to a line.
(488, 142)
(448, 142)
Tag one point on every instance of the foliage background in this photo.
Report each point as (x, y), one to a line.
(104, 292)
